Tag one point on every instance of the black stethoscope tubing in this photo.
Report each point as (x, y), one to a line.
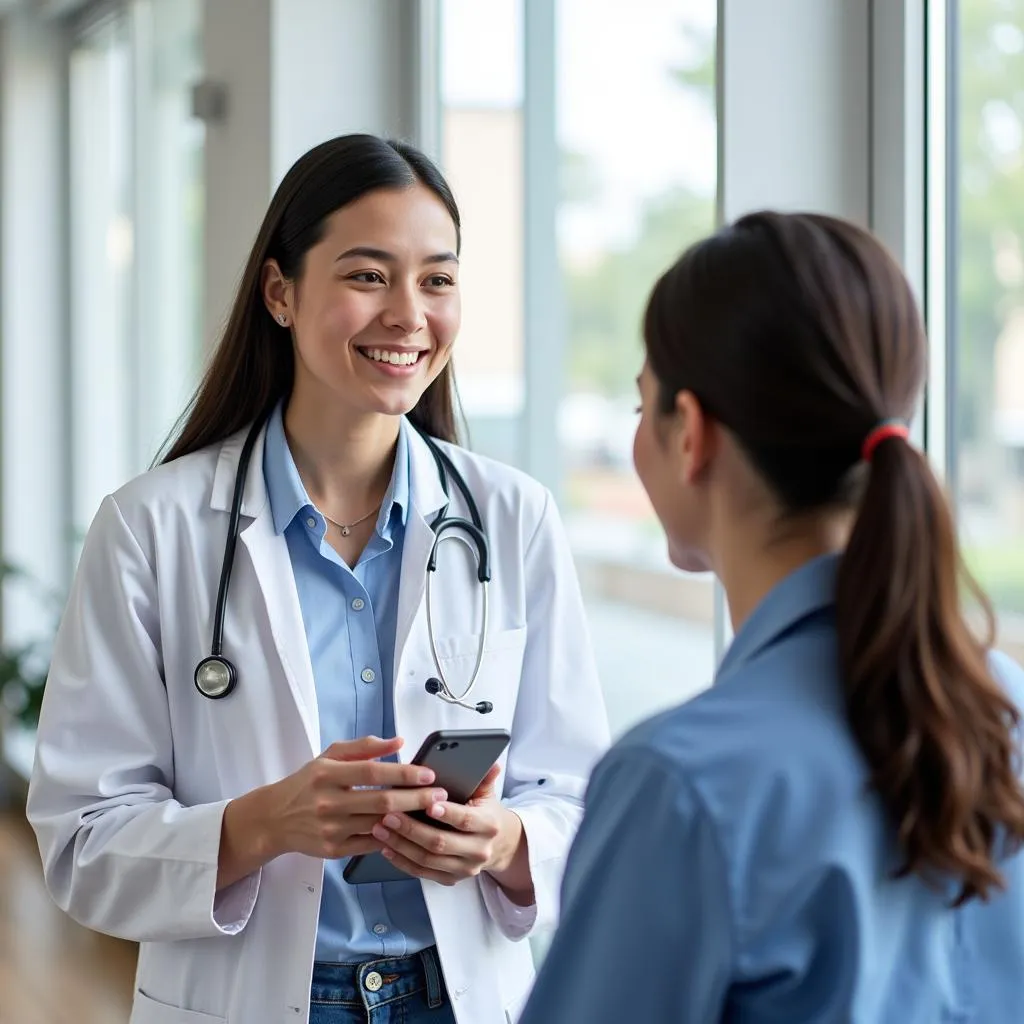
(216, 676)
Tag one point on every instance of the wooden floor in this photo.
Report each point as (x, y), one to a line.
(51, 970)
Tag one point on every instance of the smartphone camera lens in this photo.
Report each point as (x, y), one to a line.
(443, 746)
(454, 745)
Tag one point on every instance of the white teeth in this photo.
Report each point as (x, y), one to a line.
(394, 358)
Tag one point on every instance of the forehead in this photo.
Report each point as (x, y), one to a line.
(409, 221)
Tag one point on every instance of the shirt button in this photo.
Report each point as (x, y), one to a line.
(373, 982)
(380, 929)
(311, 523)
(358, 604)
(368, 675)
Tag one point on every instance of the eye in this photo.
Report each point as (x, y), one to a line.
(440, 281)
(367, 277)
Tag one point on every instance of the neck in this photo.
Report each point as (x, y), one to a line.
(345, 461)
(755, 557)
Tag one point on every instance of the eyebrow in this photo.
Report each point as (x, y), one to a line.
(369, 252)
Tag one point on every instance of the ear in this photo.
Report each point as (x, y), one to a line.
(278, 292)
(696, 437)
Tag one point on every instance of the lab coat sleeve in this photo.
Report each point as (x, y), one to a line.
(120, 854)
(645, 933)
(560, 728)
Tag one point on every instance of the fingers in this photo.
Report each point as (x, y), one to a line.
(449, 858)
(411, 867)
(392, 801)
(362, 749)
(465, 818)
(330, 771)
(486, 787)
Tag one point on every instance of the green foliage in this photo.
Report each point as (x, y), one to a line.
(23, 667)
(606, 301)
(991, 193)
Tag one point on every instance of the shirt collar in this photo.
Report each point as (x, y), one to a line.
(288, 496)
(803, 592)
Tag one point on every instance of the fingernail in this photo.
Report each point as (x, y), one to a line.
(388, 852)
(425, 777)
(440, 795)
(437, 811)
(391, 821)
(380, 833)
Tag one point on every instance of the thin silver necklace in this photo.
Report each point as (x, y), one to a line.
(346, 529)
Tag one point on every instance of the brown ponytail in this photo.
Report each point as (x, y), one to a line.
(935, 727)
(800, 334)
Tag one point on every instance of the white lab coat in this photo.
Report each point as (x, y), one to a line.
(134, 767)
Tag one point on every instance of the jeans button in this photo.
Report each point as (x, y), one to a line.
(373, 982)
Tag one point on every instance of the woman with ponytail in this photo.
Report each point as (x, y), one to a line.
(829, 834)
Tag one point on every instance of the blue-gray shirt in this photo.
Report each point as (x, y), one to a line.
(350, 618)
(733, 866)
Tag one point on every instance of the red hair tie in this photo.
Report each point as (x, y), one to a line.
(884, 430)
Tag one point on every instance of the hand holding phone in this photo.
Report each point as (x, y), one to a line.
(463, 762)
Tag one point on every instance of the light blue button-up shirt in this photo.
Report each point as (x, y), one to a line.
(734, 866)
(350, 618)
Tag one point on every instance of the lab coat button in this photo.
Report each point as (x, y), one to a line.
(380, 929)
(373, 982)
(311, 522)
(368, 675)
(358, 604)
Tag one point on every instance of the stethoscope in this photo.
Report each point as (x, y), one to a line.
(216, 676)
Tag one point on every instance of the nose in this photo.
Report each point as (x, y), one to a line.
(404, 309)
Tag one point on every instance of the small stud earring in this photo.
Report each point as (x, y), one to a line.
(282, 319)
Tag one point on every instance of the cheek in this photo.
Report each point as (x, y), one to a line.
(446, 319)
(643, 453)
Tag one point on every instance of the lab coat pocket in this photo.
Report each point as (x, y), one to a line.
(500, 669)
(151, 1011)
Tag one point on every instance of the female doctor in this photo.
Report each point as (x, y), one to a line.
(208, 813)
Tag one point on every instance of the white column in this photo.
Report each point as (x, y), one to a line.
(33, 402)
(294, 73)
(794, 85)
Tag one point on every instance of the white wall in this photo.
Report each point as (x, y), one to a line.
(32, 402)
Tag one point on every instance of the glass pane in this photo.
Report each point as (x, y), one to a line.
(638, 147)
(102, 265)
(988, 283)
(170, 214)
(482, 144)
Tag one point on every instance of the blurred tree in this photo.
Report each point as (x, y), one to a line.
(606, 299)
(990, 195)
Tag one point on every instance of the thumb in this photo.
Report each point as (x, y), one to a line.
(485, 791)
(366, 748)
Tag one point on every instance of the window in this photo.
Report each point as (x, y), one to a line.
(135, 198)
(986, 283)
(634, 161)
(482, 153)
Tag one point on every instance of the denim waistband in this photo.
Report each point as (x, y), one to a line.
(376, 982)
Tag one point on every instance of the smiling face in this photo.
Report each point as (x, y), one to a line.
(376, 306)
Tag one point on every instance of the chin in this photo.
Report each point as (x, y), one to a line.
(688, 559)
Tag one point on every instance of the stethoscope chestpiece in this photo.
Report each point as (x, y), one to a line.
(215, 677)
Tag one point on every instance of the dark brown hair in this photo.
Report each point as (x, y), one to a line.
(800, 334)
(253, 367)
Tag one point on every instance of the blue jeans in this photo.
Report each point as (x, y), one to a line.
(397, 990)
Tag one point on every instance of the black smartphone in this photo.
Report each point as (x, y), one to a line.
(460, 758)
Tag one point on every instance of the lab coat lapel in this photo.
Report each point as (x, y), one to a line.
(268, 553)
(427, 497)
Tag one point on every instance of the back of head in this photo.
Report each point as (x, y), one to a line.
(800, 335)
(252, 366)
